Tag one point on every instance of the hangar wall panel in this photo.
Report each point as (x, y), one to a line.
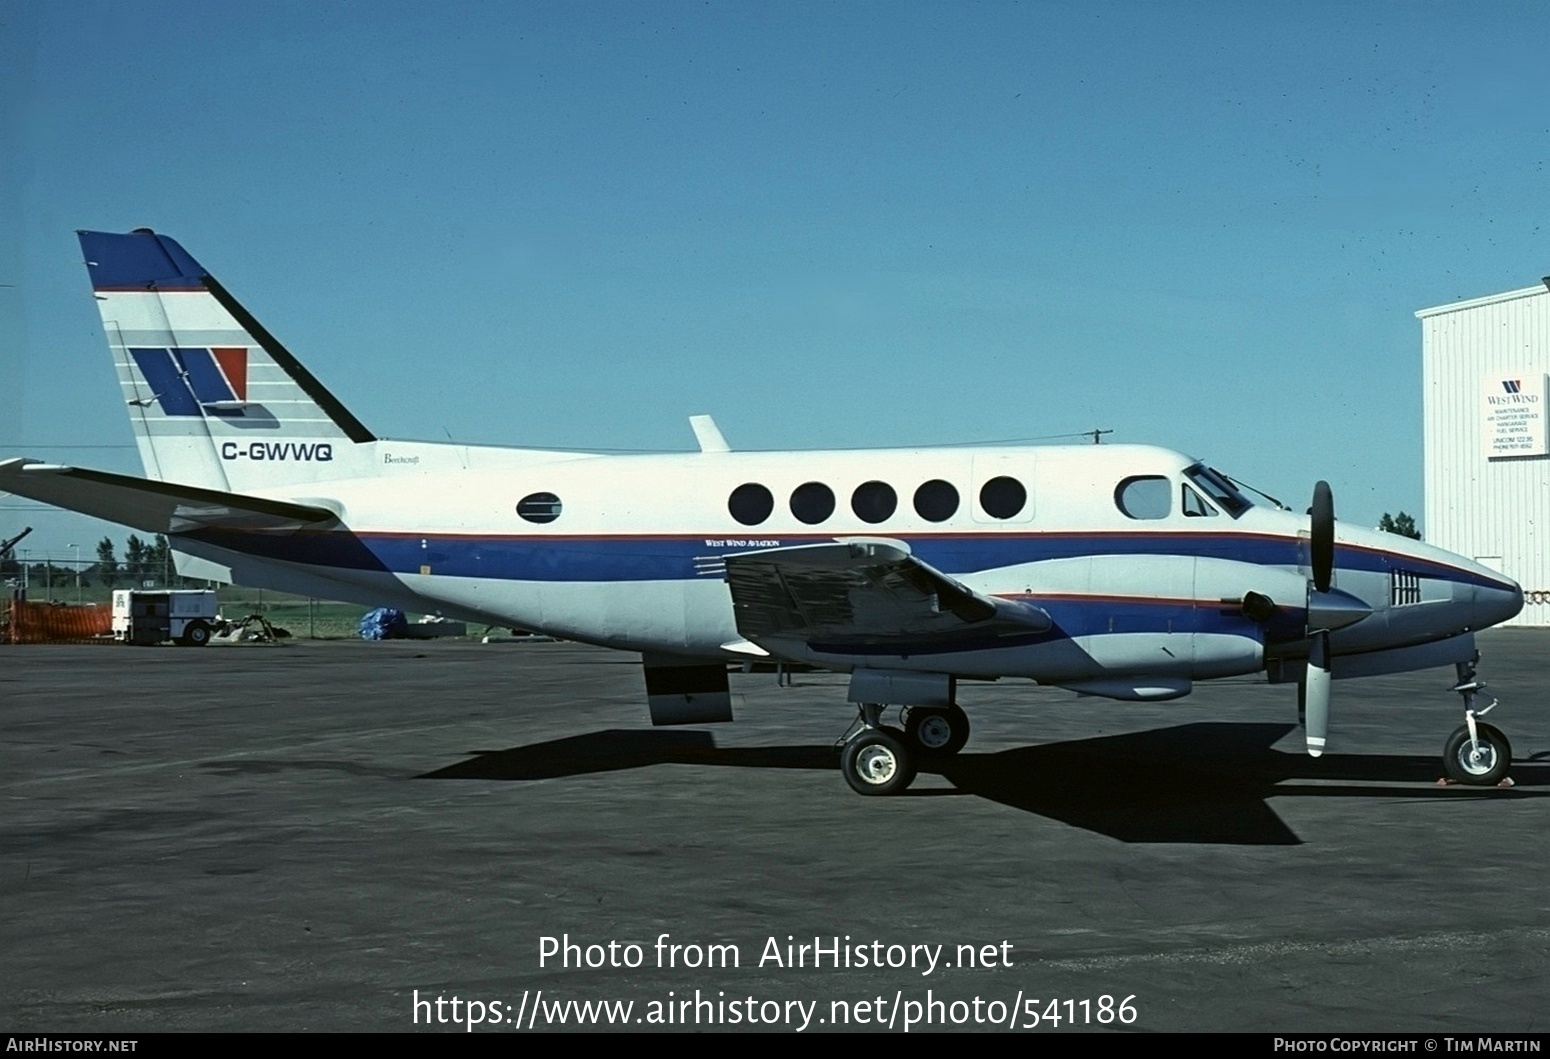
(1494, 508)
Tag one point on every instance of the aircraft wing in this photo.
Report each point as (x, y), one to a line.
(155, 507)
(864, 592)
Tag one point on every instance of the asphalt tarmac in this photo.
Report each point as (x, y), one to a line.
(318, 835)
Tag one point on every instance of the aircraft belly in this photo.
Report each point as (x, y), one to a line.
(1191, 655)
(1196, 655)
(707, 614)
(635, 615)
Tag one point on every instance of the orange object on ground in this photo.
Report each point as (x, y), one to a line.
(33, 622)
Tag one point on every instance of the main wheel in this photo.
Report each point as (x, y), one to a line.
(937, 732)
(877, 762)
(1484, 765)
(195, 634)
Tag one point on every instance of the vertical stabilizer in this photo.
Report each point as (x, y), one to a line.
(216, 401)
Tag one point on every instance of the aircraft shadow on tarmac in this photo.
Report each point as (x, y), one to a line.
(1203, 783)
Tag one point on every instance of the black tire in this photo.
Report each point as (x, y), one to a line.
(195, 634)
(877, 762)
(937, 732)
(1483, 767)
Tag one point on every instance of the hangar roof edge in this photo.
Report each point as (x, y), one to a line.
(1489, 299)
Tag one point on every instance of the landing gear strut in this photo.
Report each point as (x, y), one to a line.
(1476, 754)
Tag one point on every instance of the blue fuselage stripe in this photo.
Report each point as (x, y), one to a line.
(674, 558)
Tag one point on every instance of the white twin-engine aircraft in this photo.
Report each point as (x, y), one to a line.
(1120, 571)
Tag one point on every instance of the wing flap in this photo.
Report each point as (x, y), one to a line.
(862, 592)
(155, 507)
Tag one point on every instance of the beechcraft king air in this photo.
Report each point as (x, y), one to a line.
(1121, 571)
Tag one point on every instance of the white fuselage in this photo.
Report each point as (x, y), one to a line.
(633, 554)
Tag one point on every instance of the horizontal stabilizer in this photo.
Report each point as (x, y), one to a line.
(155, 507)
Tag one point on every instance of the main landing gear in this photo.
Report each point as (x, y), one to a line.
(1476, 754)
(878, 759)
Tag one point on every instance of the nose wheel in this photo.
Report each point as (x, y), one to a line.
(1481, 760)
(1476, 754)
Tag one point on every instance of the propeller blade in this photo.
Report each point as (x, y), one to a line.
(1323, 539)
(1317, 697)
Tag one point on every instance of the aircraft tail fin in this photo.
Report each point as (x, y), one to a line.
(216, 401)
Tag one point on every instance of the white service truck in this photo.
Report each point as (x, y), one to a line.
(184, 616)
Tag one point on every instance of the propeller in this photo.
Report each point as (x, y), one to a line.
(1327, 609)
(1322, 561)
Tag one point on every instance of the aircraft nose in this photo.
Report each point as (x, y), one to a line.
(1496, 603)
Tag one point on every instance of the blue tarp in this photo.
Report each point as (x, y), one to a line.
(384, 623)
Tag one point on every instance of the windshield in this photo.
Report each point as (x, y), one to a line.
(1245, 487)
(1218, 488)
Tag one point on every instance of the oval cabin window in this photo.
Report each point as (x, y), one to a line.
(1145, 496)
(539, 507)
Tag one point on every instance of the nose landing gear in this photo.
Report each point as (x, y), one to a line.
(1476, 754)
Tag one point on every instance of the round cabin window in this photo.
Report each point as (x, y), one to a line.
(812, 503)
(936, 501)
(750, 503)
(1003, 497)
(874, 501)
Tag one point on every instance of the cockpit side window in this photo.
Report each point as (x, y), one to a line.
(1216, 486)
(1193, 504)
(1145, 496)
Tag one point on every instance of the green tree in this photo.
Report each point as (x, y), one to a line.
(107, 563)
(161, 561)
(136, 552)
(1402, 524)
(46, 575)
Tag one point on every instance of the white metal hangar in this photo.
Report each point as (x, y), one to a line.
(1484, 364)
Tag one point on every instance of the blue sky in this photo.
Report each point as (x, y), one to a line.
(1200, 225)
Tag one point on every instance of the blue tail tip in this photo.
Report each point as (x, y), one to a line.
(139, 260)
